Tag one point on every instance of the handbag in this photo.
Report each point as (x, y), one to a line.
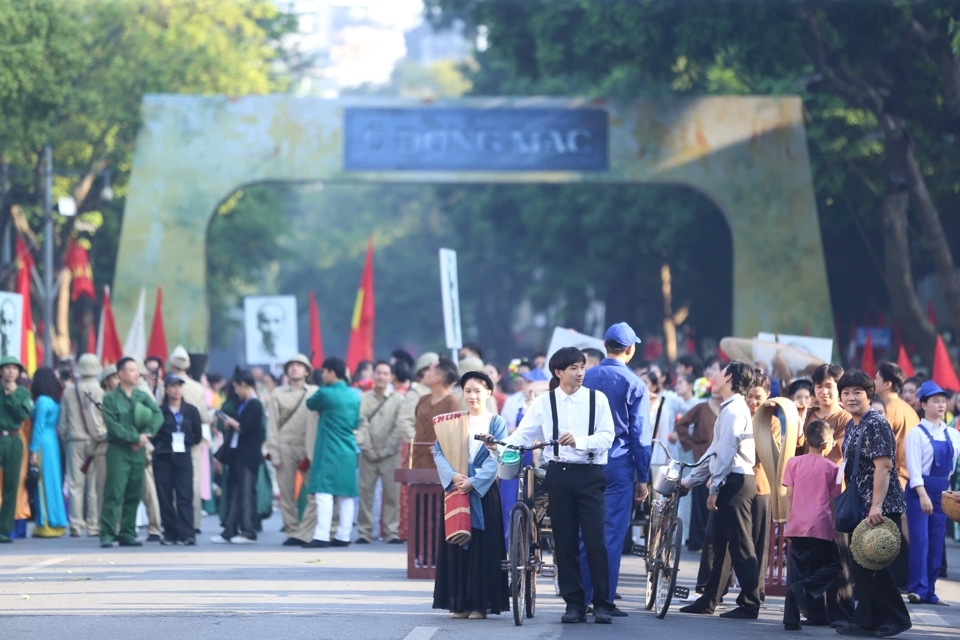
(847, 506)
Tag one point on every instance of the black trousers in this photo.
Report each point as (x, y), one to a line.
(173, 475)
(577, 507)
(878, 598)
(698, 517)
(815, 565)
(761, 536)
(839, 604)
(901, 564)
(241, 515)
(733, 545)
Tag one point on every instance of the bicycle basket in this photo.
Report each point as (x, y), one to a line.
(668, 476)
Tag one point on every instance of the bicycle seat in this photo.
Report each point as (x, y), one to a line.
(539, 473)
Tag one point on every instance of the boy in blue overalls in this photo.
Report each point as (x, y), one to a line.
(932, 449)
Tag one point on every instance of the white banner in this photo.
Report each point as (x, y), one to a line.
(450, 291)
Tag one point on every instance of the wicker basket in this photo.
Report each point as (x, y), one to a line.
(950, 506)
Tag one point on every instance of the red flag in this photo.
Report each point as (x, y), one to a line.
(943, 372)
(931, 313)
(868, 363)
(28, 335)
(91, 339)
(903, 361)
(108, 343)
(360, 346)
(157, 346)
(77, 260)
(316, 342)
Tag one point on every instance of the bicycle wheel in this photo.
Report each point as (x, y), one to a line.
(667, 580)
(653, 546)
(518, 561)
(536, 559)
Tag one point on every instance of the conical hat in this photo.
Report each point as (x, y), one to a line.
(774, 453)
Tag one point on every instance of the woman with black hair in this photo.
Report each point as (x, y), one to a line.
(470, 582)
(172, 464)
(51, 519)
(243, 437)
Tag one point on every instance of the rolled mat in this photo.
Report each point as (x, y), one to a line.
(771, 450)
(456, 517)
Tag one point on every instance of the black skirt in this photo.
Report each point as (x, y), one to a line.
(473, 579)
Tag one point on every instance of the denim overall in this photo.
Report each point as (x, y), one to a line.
(927, 532)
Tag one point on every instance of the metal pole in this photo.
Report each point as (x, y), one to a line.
(5, 255)
(47, 256)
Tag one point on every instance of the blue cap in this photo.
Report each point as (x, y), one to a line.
(621, 333)
(929, 388)
(535, 375)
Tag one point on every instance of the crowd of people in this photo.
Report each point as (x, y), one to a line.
(83, 446)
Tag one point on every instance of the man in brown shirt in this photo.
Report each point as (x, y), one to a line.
(701, 417)
(440, 378)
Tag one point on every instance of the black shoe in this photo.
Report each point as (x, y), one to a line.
(167, 543)
(617, 612)
(75, 534)
(293, 542)
(190, 542)
(836, 624)
(814, 623)
(602, 617)
(395, 541)
(890, 630)
(362, 541)
(617, 596)
(317, 544)
(850, 629)
(571, 617)
(106, 544)
(792, 627)
(696, 608)
(196, 531)
(131, 543)
(339, 543)
(153, 538)
(740, 614)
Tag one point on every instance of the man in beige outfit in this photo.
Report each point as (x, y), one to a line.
(379, 438)
(291, 435)
(192, 394)
(84, 436)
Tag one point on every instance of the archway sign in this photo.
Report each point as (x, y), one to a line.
(748, 155)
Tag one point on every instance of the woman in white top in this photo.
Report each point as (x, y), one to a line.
(931, 450)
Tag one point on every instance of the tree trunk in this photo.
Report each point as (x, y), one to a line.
(935, 239)
(893, 216)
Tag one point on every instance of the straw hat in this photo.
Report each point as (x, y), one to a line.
(875, 547)
(179, 358)
(302, 359)
(88, 366)
(773, 458)
(470, 364)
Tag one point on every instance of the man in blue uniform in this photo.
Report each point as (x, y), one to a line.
(628, 466)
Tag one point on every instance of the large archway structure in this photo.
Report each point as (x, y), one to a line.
(746, 154)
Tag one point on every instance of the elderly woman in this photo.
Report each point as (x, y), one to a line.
(470, 582)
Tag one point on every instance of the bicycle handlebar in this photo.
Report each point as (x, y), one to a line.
(685, 465)
(515, 447)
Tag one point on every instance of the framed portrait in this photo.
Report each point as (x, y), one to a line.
(270, 329)
(11, 323)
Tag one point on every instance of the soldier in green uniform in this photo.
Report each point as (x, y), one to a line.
(132, 417)
(15, 406)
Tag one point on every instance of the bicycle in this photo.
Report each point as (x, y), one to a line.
(524, 561)
(666, 537)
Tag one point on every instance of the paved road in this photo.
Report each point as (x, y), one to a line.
(72, 588)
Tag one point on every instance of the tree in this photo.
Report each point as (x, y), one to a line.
(73, 74)
(880, 80)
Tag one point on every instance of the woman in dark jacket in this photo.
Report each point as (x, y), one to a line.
(172, 465)
(243, 439)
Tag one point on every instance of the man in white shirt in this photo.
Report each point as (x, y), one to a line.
(732, 490)
(581, 423)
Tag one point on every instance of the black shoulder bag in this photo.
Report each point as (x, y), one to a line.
(847, 507)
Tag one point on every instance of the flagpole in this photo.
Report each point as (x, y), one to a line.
(47, 256)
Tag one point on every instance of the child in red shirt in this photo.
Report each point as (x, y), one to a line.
(814, 557)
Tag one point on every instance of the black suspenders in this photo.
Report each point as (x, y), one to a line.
(556, 422)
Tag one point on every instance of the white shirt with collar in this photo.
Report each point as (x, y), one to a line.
(732, 442)
(573, 415)
(511, 409)
(919, 451)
